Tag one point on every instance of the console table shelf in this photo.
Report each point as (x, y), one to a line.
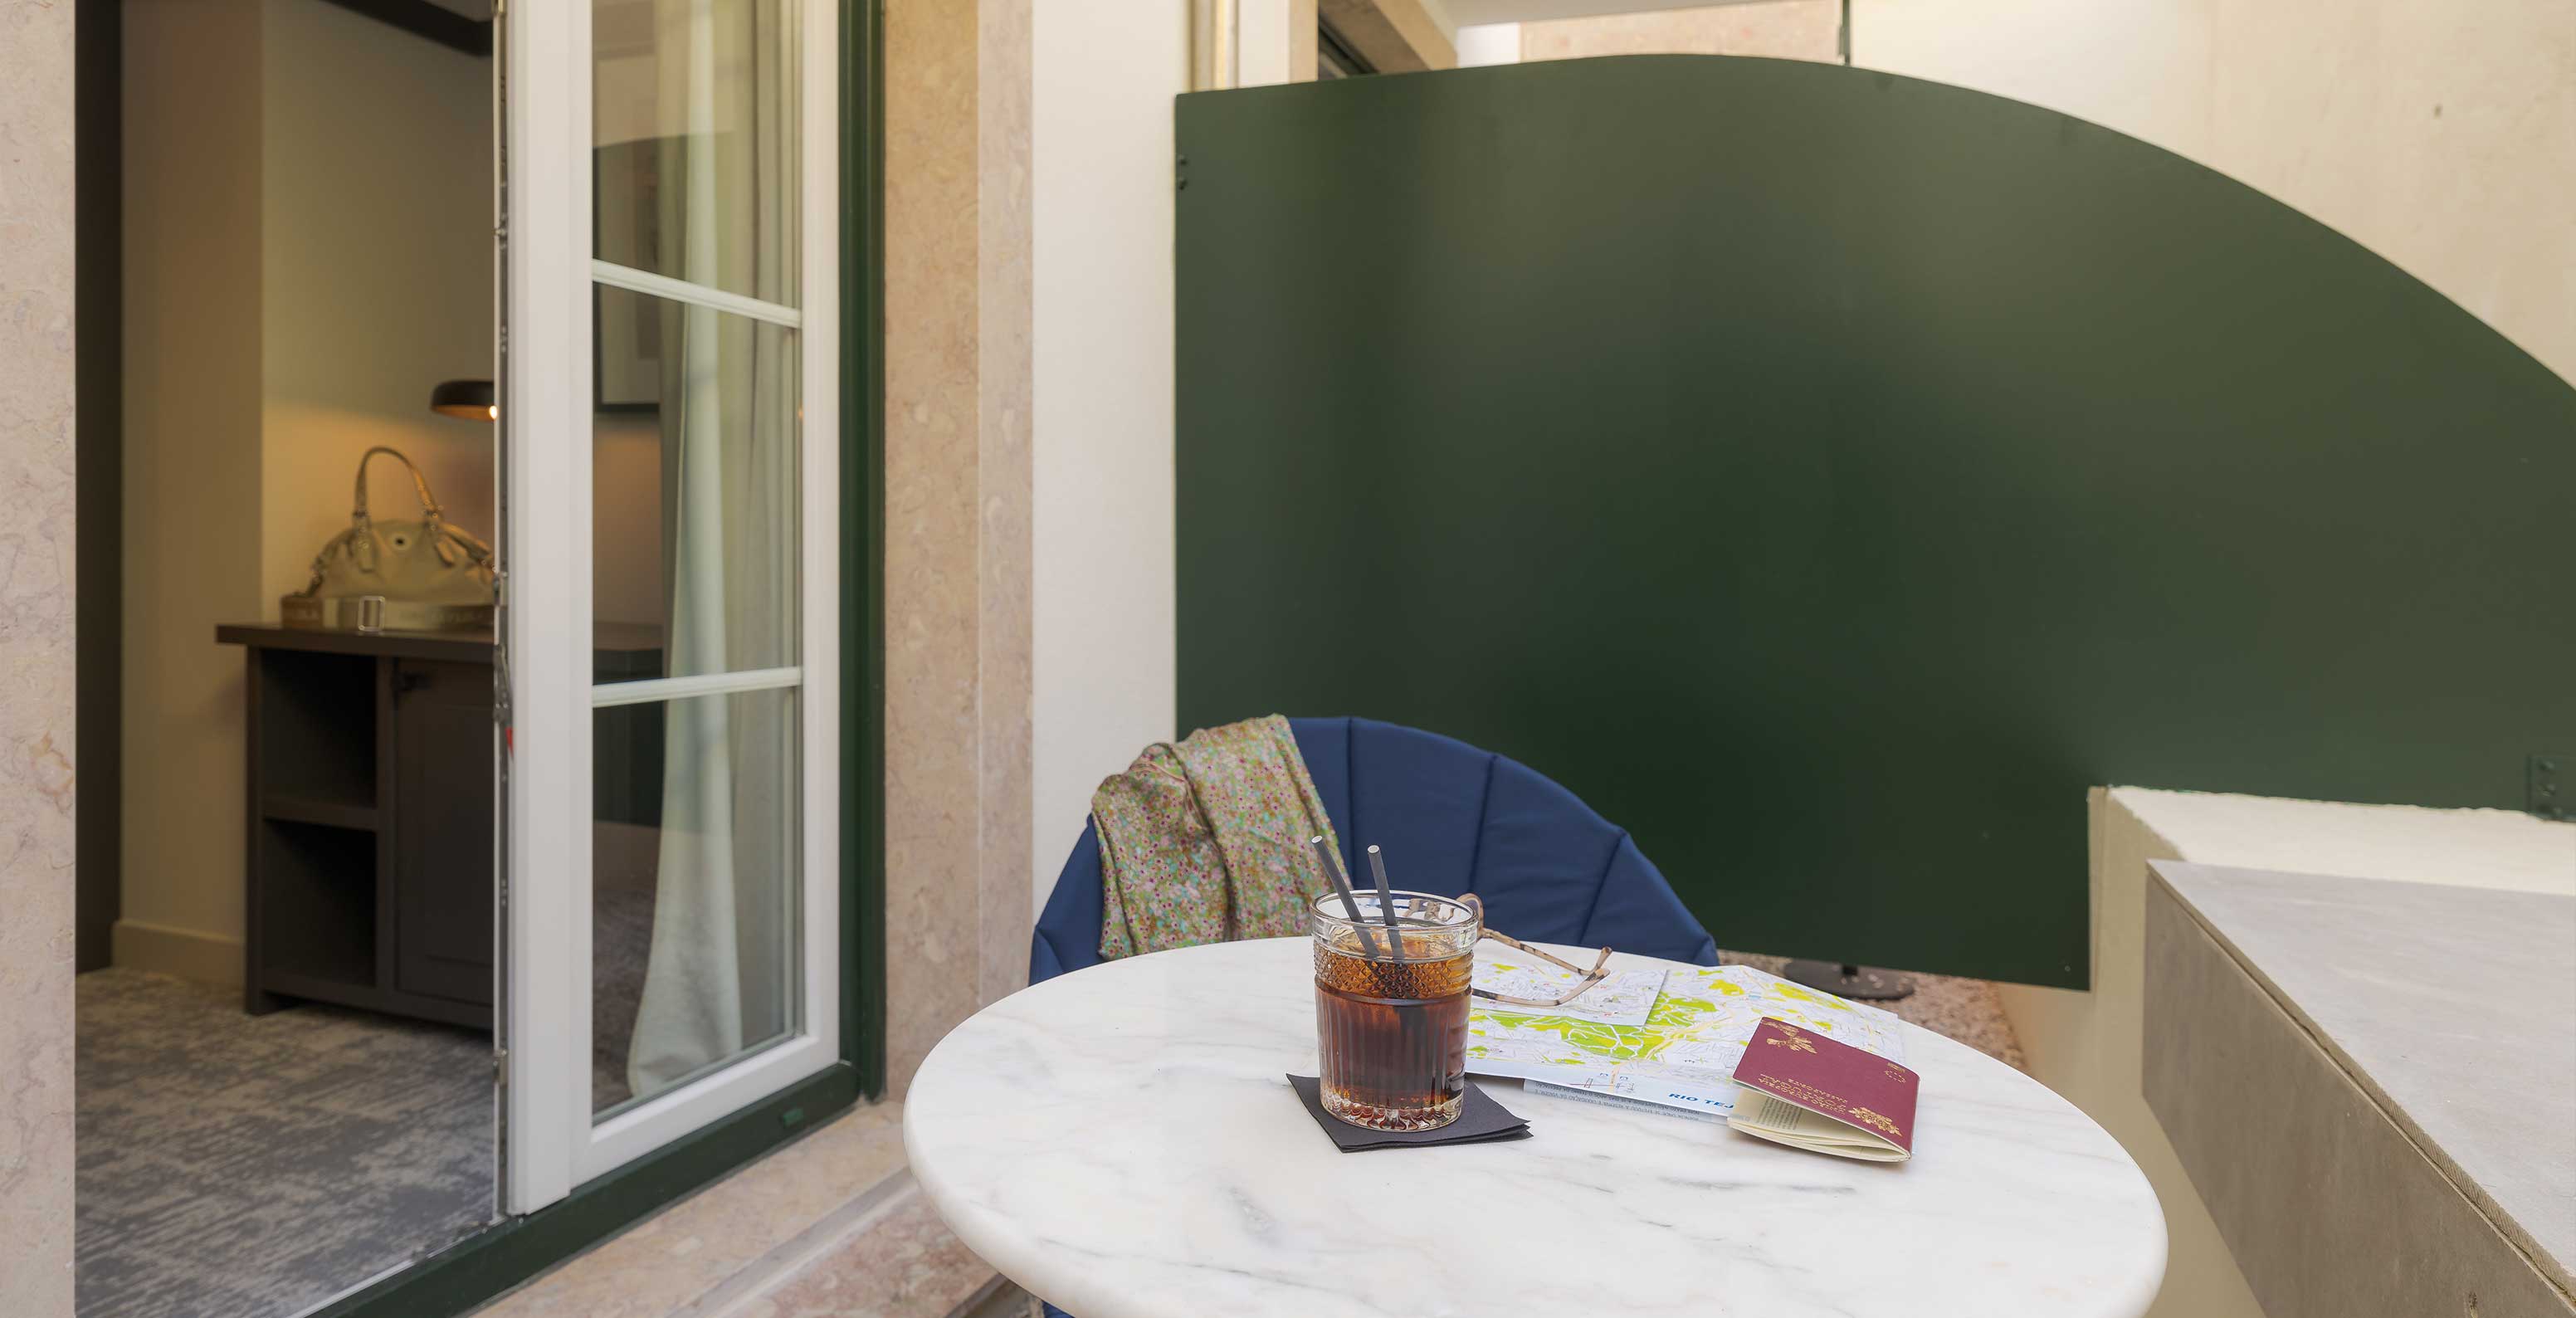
(369, 879)
(369, 865)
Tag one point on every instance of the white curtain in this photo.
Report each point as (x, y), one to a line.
(721, 972)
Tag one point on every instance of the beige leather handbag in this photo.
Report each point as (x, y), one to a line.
(418, 576)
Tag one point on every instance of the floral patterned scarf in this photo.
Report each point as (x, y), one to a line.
(1204, 841)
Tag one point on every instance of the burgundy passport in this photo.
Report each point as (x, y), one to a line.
(1803, 1089)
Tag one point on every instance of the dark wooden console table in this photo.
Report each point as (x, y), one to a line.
(369, 873)
(369, 877)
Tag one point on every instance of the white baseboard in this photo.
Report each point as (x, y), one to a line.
(214, 959)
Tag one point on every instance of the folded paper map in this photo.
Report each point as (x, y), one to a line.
(1683, 1055)
(1624, 998)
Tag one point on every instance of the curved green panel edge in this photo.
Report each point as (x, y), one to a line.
(1832, 476)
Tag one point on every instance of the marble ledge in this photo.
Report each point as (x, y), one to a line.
(829, 1225)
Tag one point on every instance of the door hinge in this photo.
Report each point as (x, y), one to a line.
(501, 648)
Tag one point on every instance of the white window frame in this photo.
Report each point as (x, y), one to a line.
(551, 1144)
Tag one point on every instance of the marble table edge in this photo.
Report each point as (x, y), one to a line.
(1008, 1247)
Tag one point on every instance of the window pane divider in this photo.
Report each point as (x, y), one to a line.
(703, 684)
(696, 295)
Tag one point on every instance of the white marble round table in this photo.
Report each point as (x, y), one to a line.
(1120, 1141)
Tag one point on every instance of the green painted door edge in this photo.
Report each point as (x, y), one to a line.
(863, 544)
(474, 1270)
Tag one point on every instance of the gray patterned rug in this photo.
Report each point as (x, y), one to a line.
(234, 1166)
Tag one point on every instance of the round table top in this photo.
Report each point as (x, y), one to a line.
(1121, 1141)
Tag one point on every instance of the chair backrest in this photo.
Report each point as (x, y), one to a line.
(1451, 819)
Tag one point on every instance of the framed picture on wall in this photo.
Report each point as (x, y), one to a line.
(626, 329)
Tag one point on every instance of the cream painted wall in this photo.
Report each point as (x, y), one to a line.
(192, 469)
(375, 275)
(1483, 44)
(308, 250)
(2087, 1045)
(1778, 29)
(2140, 66)
(1104, 78)
(2436, 134)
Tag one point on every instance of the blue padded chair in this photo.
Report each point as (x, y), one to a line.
(1452, 819)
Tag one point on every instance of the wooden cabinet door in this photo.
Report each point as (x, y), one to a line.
(442, 829)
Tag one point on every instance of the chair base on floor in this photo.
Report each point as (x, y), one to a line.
(1859, 983)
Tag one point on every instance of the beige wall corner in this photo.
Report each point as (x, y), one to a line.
(2088, 1045)
(1274, 39)
(1301, 40)
(36, 648)
(192, 478)
(210, 959)
(1103, 618)
(957, 500)
(2085, 1046)
(1779, 29)
(2437, 140)
(1395, 36)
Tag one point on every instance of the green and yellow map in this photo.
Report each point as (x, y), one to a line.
(1683, 1054)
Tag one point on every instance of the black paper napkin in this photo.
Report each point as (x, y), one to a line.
(1480, 1121)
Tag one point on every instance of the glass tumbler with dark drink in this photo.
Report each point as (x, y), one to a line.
(1391, 1007)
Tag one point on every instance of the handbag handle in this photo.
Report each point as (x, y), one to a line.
(420, 485)
(449, 543)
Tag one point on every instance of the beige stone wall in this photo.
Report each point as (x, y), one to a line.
(2436, 134)
(36, 572)
(1780, 29)
(1394, 36)
(957, 488)
(2087, 1045)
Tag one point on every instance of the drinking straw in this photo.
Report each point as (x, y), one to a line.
(1386, 901)
(1333, 871)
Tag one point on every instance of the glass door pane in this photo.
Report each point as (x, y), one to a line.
(695, 540)
(671, 625)
(694, 475)
(694, 887)
(696, 126)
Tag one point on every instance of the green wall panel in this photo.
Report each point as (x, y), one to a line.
(1830, 476)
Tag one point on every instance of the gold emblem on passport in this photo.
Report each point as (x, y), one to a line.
(1873, 1120)
(1790, 1039)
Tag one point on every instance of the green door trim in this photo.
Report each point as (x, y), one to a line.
(503, 1255)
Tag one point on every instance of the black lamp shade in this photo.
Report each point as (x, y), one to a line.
(469, 400)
